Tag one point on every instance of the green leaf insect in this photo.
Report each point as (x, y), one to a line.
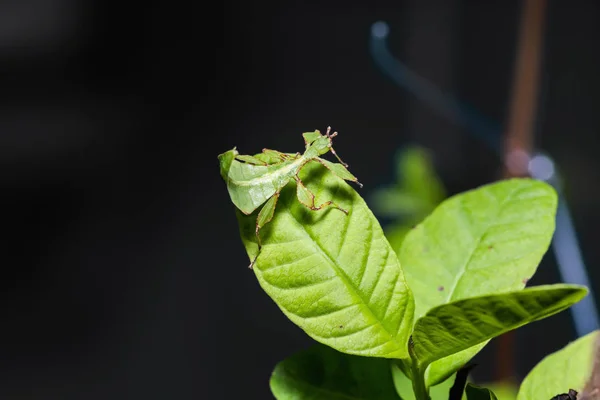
(254, 181)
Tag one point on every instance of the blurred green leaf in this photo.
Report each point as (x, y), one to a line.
(415, 195)
(321, 373)
(417, 191)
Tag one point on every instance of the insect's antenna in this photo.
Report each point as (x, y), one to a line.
(332, 135)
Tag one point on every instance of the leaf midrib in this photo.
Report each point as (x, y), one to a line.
(344, 277)
(463, 268)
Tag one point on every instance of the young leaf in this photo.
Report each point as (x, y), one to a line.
(441, 369)
(568, 368)
(483, 241)
(479, 393)
(321, 373)
(334, 275)
(456, 326)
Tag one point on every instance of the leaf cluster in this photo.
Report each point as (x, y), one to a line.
(399, 323)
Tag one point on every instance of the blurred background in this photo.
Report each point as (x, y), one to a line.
(125, 277)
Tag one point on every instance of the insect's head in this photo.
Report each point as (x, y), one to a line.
(319, 143)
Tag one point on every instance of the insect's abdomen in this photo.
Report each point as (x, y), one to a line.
(250, 186)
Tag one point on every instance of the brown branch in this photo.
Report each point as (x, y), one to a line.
(523, 103)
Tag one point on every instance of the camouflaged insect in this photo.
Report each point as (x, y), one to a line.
(255, 181)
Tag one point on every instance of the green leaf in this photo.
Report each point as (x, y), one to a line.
(321, 373)
(487, 240)
(332, 274)
(338, 169)
(479, 393)
(404, 386)
(456, 326)
(568, 368)
(394, 202)
(479, 242)
(441, 369)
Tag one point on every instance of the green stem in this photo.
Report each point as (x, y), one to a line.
(418, 375)
(418, 384)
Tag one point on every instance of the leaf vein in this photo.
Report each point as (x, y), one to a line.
(304, 286)
(346, 279)
(286, 264)
(463, 267)
(330, 312)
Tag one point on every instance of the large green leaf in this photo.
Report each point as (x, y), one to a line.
(482, 241)
(487, 240)
(456, 326)
(334, 275)
(321, 373)
(568, 368)
(479, 393)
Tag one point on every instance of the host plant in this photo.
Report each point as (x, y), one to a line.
(457, 281)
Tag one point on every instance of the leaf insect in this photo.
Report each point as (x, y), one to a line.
(591, 390)
(256, 180)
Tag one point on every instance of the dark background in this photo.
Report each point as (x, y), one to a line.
(124, 275)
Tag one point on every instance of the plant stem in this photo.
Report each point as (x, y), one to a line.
(418, 384)
(418, 375)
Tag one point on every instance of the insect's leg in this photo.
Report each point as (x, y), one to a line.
(265, 215)
(339, 170)
(338, 157)
(250, 160)
(307, 198)
(275, 153)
